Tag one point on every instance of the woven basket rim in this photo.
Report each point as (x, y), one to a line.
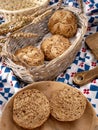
(75, 44)
(85, 22)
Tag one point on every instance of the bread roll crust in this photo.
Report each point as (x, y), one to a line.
(68, 104)
(30, 108)
(54, 46)
(30, 55)
(63, 22)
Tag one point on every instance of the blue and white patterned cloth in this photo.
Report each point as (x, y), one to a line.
(84, 60)
(9, 84)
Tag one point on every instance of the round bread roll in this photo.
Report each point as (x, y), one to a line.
(68, 104)
(54, 46)
(30, 55)
(30, 109)
(63, 22)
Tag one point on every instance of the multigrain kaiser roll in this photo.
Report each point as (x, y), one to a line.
(68, 104)
(29, 55)
(30, 108)
(63, 22)
(54, 46)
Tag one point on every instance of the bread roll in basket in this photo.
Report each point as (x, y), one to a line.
(50, 69)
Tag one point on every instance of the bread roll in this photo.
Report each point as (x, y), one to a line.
(68, 104)
(54, 46)
(30, 108)
(30, 55)
(63, 22)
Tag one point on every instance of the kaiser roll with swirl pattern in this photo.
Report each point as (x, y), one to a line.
(63, 22)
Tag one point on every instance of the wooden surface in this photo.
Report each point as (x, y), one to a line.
(88, 121)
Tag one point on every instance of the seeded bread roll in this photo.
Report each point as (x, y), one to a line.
(54, 46)
(30, 55)
(30, 109)
(68, 104)
(63, 22)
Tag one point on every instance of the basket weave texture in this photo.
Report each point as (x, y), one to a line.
(50, 69)
(11, 9)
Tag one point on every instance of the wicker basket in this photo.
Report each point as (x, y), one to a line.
(11, 9)
(49, 70)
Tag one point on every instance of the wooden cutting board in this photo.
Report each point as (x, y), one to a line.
(92, 42)
(84, 77)
(88, 121)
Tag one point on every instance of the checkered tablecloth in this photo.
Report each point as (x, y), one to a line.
(84, 60)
